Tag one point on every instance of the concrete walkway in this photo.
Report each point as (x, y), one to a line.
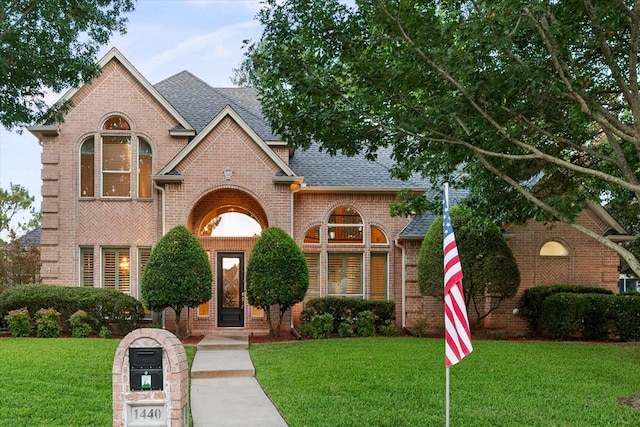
(224, 390)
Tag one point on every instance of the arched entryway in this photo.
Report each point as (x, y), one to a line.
(227, 223)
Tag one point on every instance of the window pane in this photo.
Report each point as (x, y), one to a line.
(116, 185)
(313, 235)
(87, 156)
(313, 261)
(345, 226)
(344, 275)
(115, 269)
(116, 153)
(123, 271)
(109, 267)
(86, 267)
(144, 169)
(377, 236)
(379, 276)
(116, 123)
(143, 259)
(203, 309)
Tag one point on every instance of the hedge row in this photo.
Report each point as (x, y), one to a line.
(592, 316)
(104, 307)
(347, 309)
(533, 298)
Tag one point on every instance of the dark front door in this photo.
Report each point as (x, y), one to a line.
(230, 284)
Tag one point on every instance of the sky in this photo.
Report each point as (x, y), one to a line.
(164, 37)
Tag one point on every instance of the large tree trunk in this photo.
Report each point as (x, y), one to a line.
(178, 310)
(267, 311)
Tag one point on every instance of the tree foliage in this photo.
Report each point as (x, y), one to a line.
(178, 274)
(490, 270)
(532, 106)
(277, 274)
(19, 263)
(47, 44)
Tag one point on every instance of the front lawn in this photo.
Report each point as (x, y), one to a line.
(401, 382)
(57, 382)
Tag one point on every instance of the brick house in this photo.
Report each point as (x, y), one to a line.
(131, 160)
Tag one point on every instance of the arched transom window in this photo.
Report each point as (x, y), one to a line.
(553, 248)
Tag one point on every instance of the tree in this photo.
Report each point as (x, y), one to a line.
(532, 106)
(277, 274)
(177, 275)
(47, 44)
(18, 263)
(490, 270)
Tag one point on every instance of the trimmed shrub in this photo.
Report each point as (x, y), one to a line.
(533, 298)
(599, 315)
(627, 309)
(19, 322)
(105, 332)
(345, 330)
(346, 309)
(322, 326)
(388, 329)
(104, 307)
(48, 323)
(79, 324)
(365, 324)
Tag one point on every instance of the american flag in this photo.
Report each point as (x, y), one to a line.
(456, 323)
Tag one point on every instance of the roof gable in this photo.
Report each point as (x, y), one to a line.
(227, 111)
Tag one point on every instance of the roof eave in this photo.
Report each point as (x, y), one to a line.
(167, 179)
(355, 189)
(40, 131)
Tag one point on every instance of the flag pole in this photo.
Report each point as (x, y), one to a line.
(447, 399)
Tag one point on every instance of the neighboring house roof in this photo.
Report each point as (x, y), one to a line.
(31, 239)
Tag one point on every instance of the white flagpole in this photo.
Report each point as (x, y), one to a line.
(447, 399)
(446, 195)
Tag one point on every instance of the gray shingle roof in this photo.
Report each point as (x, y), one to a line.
(199, 103)
(419, 225)
(323, 170)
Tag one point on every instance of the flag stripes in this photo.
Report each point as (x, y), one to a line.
(456, 323)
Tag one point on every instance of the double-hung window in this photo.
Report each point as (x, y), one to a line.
(116, 269)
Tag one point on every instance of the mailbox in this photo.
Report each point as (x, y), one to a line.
(145, 368)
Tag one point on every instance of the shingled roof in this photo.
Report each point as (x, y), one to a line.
(199, 103)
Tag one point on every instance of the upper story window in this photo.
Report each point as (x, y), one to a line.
(121, 155)
(116, 166)
(144, 169)
(345, 226)
(553, 248)
(87, 159)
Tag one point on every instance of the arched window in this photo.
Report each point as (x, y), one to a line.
(345, 226)
(553, 248)
(377, 236)
(87, 159)
(116, 159)
(313, 235)
(144, 169)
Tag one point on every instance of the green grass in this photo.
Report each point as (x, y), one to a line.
(401, 382)
(57, 382)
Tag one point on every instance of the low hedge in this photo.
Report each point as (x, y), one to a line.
(533, 298)
(347, 309)
(104, 307)
(591, 316)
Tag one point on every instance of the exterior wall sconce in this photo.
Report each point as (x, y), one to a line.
(228, 172)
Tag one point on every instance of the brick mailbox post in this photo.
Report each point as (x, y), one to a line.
(150, 381)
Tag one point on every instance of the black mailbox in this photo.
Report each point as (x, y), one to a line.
(145, 368)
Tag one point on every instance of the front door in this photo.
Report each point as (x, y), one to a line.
(230, 285)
